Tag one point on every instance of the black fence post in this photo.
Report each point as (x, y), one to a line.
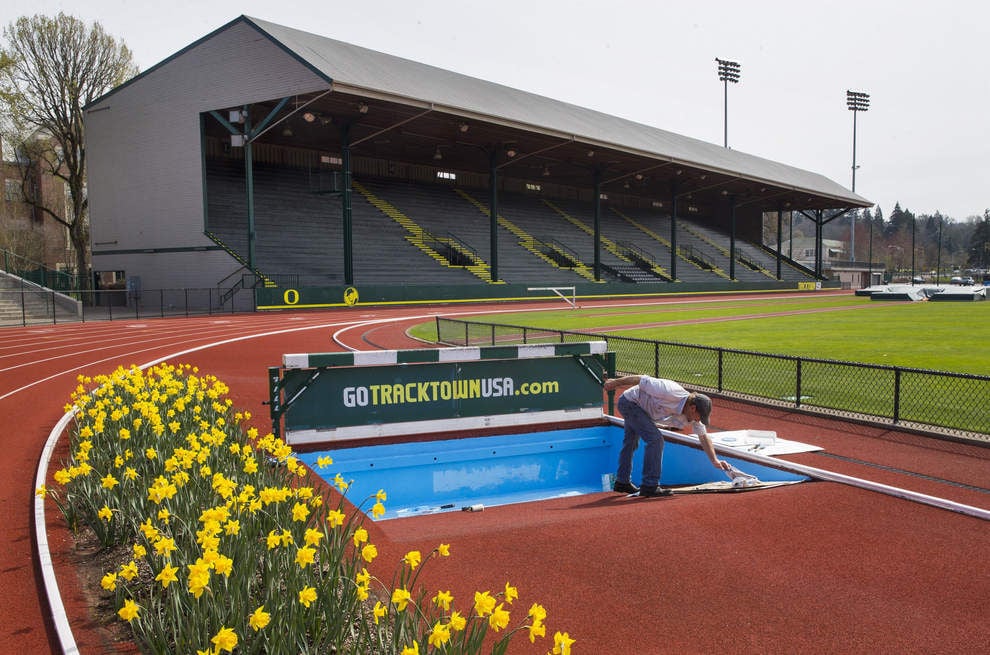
(897, 395)
(721, 363)
(797, 391)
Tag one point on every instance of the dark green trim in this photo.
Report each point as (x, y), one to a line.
(154, 251)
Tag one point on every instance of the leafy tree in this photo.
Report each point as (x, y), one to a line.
(50, 68)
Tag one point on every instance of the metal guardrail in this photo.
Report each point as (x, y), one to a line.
(42, 307)
(951, 404)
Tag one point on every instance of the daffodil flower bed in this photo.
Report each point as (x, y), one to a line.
(234, 546)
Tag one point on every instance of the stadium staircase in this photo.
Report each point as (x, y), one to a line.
(551, 253)
(447, 251)
(633, 264)
(688, 255)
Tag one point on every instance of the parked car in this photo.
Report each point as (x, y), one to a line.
(968, 280)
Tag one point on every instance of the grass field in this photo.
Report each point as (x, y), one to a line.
(943, 336)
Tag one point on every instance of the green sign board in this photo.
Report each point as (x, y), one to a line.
(355, 401)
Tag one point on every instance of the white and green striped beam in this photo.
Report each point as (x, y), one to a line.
(433, 355)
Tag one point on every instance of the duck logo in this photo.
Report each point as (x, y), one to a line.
(350, 296)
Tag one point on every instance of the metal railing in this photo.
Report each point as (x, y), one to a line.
(954, 404)
(40, 307)
(38, 273)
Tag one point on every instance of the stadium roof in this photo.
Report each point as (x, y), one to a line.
(406, 111)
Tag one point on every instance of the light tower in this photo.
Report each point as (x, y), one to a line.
(856, 101)
(728, 71)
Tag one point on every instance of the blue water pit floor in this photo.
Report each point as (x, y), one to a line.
(450, 475)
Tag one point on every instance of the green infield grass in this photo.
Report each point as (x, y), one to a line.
(942, 336)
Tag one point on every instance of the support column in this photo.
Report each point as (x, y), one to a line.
(732, 238)
(673, 234)
(819, 267)
(780, 237)
(493, 213)
(345, 204)
(598, 224)
(249, 185)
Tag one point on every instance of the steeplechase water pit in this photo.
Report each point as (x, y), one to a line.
(476, 472)
(343, 405)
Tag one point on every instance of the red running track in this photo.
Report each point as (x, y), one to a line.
(812, 568)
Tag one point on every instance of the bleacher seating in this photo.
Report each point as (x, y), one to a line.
(300, 232)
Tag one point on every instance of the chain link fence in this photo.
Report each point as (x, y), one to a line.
(954, 404)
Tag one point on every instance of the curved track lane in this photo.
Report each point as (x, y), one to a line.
(814, 568)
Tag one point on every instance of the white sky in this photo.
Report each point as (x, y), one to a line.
(925, 141)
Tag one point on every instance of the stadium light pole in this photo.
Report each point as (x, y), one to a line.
(856, 101)
(728, 71)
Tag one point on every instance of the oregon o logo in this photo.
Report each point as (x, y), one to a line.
(290, 297)
(350, 296)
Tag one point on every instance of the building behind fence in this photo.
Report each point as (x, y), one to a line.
(949, 404)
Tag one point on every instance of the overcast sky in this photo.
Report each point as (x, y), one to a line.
(925, 141)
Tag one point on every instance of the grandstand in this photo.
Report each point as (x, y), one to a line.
(262, 157)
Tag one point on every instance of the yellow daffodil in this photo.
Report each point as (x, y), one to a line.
(380, 496)
(444, 550)
(412, 649)
(129, 611)
(129, 571)
(379, 611)
(41, 491)
(259, 618)
(335, 518)
(412, 559)
(369, 553)
(562, 643)
(439, 635)
(360, 537)
(105, 514)
(536, 630)
(483, 603)
(223, 565)
(457, 622)
(499, 618)
(511, 593)
(305, 556)
(300, 512)
(109, 582)
(165, 546)
(401, 598)
(167, 575)
(443, 599)
(307, 596)
(199, 578)
(537, 613)
(323, 462)
(225, 639)
(377, 510)
(312, 537)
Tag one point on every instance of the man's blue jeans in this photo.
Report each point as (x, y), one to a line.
(639, 426)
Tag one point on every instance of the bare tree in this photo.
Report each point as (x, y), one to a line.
(50, 68)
